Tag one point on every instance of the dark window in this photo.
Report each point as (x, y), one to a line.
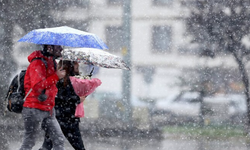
(162, 2)
(161, 39)
(74, 3)
(114, 38)
(189, 51)
(115, 2)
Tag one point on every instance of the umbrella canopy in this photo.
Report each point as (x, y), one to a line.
(95, 57)
(65, 36)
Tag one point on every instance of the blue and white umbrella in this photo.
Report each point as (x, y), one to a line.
(65, 36)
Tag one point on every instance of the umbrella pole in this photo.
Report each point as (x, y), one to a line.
(91, 72)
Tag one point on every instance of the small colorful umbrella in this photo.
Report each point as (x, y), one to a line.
(94, 57)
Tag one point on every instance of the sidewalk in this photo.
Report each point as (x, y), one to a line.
(170, 142)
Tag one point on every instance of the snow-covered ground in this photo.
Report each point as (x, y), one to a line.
(170, 142)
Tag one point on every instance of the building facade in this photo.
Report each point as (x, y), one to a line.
(160, 47)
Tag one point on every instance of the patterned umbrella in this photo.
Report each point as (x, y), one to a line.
(95, 57)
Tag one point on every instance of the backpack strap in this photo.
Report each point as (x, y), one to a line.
(27, 94)
(44, 61)
(18, 81)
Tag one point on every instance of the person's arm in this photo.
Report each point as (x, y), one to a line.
(74, 98)
(38, 80)
(77, 99)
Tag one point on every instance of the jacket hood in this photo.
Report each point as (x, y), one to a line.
(35, 54)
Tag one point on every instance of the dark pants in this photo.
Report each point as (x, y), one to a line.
(32, 119)
(71, 131)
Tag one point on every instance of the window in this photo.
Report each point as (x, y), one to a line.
(161, 39)
(115, 2)
(75, 3)
(162, 2)
(114, 38)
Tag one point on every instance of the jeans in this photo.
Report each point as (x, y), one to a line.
(32, 119)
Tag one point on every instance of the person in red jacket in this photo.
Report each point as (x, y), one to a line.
(40, 86)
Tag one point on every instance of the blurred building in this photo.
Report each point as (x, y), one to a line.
(161, 53)
(160, 47)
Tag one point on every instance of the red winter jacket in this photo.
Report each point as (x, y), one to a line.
(39, 78)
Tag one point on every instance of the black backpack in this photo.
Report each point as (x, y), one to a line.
(16, 93)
